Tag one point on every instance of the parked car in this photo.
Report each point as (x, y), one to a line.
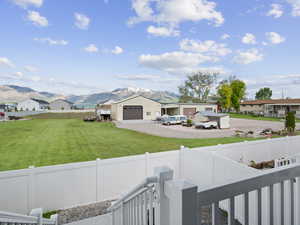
(173, 120)
(207, 125)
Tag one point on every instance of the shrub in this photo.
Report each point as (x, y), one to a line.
(189, 122)
(290, 122)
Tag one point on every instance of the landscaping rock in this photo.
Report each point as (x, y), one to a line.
(82, 212)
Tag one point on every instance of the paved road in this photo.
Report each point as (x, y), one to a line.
(178, 131)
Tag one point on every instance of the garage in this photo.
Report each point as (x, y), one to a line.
(189, 111)
(131, 112)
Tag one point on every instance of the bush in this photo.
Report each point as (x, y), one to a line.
(189, 122)
(290, 122)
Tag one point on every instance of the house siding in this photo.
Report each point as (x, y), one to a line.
(151, 109)
(31, 105)
(60, 105)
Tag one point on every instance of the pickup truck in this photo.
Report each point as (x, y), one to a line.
(207, 125)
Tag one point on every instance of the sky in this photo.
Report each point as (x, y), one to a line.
(89, 46)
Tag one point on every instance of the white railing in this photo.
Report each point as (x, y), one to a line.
(35, 217)
(285, 161)
(280, 207)
(142, 205)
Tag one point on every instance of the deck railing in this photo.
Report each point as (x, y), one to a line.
(35, 217)
(142, 205)
(278, 206)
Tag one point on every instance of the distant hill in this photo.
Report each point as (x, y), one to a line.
(13, 93)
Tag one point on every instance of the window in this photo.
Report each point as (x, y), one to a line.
(148, 113)
(209, 109)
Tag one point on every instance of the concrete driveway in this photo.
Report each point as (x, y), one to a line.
(178, 131)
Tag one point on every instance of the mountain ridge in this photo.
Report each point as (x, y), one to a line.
(14, 93)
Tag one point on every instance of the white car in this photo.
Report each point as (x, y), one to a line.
(173, 120)
(207, 125)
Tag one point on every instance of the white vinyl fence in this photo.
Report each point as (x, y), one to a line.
(62, 186)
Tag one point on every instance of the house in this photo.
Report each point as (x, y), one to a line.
(33, 105)
(61, 104)
(272, 107)
(135, 107)
(187, 109)
(3, 108)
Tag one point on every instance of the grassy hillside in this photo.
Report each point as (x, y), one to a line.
(43, 142)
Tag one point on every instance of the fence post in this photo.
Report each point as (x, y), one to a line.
(98, 180)
(147, 164)
(31, 187)
(182, 197)
(181, 162)
(39, 214)
(164, 174)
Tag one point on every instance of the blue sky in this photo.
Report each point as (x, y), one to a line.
(82, 47)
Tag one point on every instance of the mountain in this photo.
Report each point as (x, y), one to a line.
(13, 93)
(121, 93)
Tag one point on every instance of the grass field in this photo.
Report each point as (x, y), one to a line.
(41, 142)
(251, 117)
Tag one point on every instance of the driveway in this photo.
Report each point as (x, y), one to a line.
(178, 131)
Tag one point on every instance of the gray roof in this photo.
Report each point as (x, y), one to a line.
(40, 101)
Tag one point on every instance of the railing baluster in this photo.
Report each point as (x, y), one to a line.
(151, 208)
(259, 202)
(292, 202)
(231, 215)
(246, 208)
(282, 202)
(215, 214)
(145, 209)
(135, 211)
(271, 197)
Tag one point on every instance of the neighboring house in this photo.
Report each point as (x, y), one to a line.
(33, 105)
(272, 107)
(135, 108)
(61, 104)
(187, 109)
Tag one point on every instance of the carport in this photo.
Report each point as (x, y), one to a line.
(222, 119)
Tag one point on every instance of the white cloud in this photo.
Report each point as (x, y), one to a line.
(6, 62)
(37, 19)
(117, 50)
(274, 38)
(30, 68)
(296, 7)
(275, 11)
(91, 48)
(249, 56)
(18, 74)
(209, 47)
(249, 39)
(173, 12)
(82, 21)
(51, 41)
(35, 78)
(163, 31)
(27, 3)
(175, 62)
(225, 36)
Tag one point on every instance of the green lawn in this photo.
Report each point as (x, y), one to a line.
(41, 142)
(251, 117)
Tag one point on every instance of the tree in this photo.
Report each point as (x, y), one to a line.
(225, 93)
(263, 94)
(290, 122)
(197, 86)
(238, 93)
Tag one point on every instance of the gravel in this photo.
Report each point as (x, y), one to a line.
(82, 212)
(178, 131)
